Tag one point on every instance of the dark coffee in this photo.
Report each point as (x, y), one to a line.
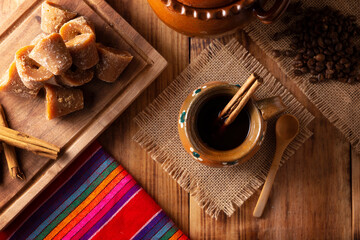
(211, 129)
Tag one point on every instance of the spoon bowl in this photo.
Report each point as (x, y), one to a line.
(287, 127)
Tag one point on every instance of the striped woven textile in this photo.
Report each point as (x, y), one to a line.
(100, 201)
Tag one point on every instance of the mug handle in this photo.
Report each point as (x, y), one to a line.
(268, 16)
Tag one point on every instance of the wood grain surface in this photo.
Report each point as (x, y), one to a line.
(316, 194)
(104, 102)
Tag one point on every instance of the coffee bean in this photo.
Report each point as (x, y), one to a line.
(310, 62)
(336, 57)
(293, 46)
(351, 80)
(313, 72)
(305, 56)
(328, 76)
(304, 69)
(313, 80)
(343, 61)
(349, 51)
(342, 80)
(321, 42)
(327, 52)
(301, 50)
(298, 57)
(298, 72)
(346, 70)
(330, 65)
(335, 40)
(295, 40)
(320, 57)
(339, 66)
(347, 65)
(353, 73)
(289, 53)
(318, 69)
(333, 35)
(328, 41)
(321, 77)
(338, 47)
(320, 64)
(310, 53)
(329, 71)
(298, 64)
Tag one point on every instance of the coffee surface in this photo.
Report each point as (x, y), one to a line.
(211, 130)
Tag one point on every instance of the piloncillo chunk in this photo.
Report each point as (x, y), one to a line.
(112, 62)
(51, 52)
(83, 51)
(62, 101)
(75, 77)
(76, 27)
(54, 16)
(12, 83)
(32, 74)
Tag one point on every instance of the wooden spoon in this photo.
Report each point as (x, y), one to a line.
(287, 127)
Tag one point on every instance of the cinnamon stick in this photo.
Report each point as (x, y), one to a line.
(238, 95)
(9, 151)
(238, 102)
(242, 103)
(24, 141)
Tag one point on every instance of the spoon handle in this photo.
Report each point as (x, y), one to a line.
(265, 192)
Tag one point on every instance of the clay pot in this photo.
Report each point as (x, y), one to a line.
(259, 112)
(205, 18)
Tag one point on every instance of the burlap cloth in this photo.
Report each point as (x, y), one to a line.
(215, 189)
(339, 102)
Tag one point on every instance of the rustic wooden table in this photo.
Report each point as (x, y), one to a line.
(316, 194)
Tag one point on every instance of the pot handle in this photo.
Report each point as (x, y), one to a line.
(269, 107)
(273, 13)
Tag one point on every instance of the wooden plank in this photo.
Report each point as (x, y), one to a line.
(311, 195)
(355, 185)
(7, 7)
(81, 128)
(118, 138)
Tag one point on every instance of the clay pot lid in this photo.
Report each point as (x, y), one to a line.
(206, 3)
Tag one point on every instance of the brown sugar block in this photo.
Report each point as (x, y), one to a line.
(54, 16)
(83, 51)
(12, 83)
(38, 38)
(62, 101)
(112, 62)
(32, 74)
(76, 27)
(74, 77)
(51, 52)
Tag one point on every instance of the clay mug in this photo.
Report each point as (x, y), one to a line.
(205, 18)
(259, 111)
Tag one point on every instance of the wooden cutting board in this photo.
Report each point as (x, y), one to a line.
(104, 102)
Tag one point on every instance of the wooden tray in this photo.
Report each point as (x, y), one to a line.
(103, 102)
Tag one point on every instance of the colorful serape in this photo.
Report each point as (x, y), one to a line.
(100, 201)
